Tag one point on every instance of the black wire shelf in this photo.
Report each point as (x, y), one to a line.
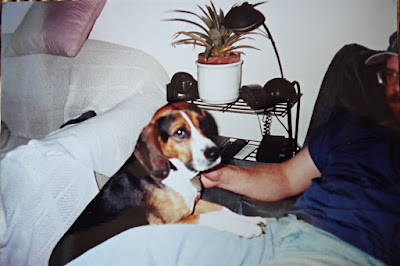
(241, 107)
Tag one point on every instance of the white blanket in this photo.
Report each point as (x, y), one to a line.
(55, 89)
(46, 184)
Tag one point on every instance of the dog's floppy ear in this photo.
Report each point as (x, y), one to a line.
(147, 151)
(208, 124)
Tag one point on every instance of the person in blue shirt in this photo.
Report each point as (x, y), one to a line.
(349, 175)
(348, 213)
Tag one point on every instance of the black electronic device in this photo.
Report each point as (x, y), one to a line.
(275, 149)
(280, 90)
(233, 148)
(277, 90)
(229, 147)
(254, 95)
(183, 87)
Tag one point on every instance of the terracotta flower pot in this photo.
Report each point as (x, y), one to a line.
(217, 60)
(219, 78)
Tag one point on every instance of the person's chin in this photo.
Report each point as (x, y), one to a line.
(396, 109)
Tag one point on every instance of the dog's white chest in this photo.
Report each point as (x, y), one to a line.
(180, 181)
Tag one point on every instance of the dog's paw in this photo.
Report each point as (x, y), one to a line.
(226, 220)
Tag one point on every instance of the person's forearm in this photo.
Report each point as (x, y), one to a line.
(267, 182)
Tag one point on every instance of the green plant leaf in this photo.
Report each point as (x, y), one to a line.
(188, 21)
(214, 15)
(232, 48)
(196, 36)
(188, 41)
(207, 52)
(215, 38)
(207, 19)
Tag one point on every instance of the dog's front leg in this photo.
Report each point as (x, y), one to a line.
(221, 218)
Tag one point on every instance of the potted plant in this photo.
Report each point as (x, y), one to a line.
(219, 67)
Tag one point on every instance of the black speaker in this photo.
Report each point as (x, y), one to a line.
(183, 87)
(277, 90)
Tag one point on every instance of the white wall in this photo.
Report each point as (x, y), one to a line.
(307, 33)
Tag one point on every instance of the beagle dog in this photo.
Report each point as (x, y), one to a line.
(157, 185)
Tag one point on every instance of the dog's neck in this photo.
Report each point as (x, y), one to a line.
(180, 180)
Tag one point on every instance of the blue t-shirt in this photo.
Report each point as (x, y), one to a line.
(357, 197)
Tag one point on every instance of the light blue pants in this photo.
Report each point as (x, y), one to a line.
(287, 241)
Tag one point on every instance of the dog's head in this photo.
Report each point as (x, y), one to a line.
(182, 131)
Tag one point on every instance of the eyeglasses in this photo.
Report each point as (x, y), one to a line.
(388, 77)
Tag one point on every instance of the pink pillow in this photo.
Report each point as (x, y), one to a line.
(58, 28)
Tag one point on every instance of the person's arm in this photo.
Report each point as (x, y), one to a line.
(266, 182)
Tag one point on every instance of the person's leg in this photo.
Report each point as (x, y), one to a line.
(43, 190)
(247, 206)
(299, 243)
(287, 241)
(176, 245)
(223, 197)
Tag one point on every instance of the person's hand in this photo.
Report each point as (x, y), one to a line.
(213, 177)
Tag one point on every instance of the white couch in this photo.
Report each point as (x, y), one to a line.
(46, 183)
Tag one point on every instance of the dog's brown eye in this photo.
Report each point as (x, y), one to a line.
(181, 133)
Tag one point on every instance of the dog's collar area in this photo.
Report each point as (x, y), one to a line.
(180, 181)
(172, 166)
(178, 166)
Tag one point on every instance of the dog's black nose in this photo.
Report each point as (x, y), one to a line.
(212, 153)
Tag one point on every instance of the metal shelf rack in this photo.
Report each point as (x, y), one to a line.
(241, 107)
